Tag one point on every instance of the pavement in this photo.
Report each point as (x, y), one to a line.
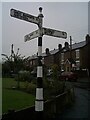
(82, 83)
(80, 109)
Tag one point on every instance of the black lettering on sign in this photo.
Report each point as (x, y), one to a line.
(63, 33)
(37, 32)
(31, 34)
(48, 31)
(16, 13)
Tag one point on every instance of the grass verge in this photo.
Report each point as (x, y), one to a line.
(14, 99)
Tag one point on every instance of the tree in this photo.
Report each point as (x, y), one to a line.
(12, 64)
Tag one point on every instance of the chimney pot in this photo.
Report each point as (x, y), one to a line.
(47, 50)
(66, 45)
(59, 46)
(87, 39)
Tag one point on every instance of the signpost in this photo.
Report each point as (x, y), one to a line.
(39, 102)
(45, 31)
(24, 16)
(54, 33)
(31, 35)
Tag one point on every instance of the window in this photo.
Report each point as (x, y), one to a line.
(31, 62)
(62, 61)
(77, 64)
(77, 54)
(67, 69)
(62, 57)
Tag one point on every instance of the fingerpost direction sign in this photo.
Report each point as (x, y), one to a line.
(24, 16)
(32, 35)
(54, 33)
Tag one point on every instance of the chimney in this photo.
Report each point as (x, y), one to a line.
(66, 44)
(87, 39)
(59, 47)
(37, 53)
(47, 50)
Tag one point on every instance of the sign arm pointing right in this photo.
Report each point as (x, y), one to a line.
(54, 33)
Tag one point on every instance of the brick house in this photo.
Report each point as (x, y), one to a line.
(32, 61)
(48, 58)
(51, 57)
(66, 58)
(78, 57)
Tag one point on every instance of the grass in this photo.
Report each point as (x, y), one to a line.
(14, 99)
(10, 82)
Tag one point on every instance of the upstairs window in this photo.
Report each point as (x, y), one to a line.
(31, 62)
(77, 54)
(62, 57)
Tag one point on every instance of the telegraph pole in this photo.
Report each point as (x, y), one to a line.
(12, 52)
(39, 103)
(71, 50)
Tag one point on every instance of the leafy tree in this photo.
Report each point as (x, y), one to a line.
(13, 63)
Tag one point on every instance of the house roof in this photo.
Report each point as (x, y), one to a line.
(78, 45)
(32, 57)
(70, 60)
(52, 52)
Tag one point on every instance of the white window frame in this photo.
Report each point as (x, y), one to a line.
(78, 64)
(77, 54)
(62, 57)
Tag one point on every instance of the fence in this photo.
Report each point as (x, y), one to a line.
(51, 108)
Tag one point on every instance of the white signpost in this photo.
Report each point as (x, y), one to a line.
(54, 33)
(24, 16)
(39, 102)
(31, 35)
(45, 31)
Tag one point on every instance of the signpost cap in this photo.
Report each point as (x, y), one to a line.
(40, 9)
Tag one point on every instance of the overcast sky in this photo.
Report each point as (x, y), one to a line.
(71, 17)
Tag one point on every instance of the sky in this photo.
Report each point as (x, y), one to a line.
(71, 17)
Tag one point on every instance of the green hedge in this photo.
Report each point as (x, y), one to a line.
(24, 76)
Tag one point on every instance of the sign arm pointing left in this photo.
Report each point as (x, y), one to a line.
(24, 16)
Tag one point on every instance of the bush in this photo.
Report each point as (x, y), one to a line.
(56, 87)
(24, 76)
(46, 83)
(55, 71)
(31, 88)
(52, 88)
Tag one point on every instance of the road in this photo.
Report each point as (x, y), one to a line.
(80, 109)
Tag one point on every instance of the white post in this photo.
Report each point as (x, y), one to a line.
(39, 103)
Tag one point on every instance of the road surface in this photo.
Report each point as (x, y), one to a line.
(80, 109)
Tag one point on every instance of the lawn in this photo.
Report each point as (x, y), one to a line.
(14, 99)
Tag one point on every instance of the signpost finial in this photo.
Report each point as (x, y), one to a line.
(40, 9)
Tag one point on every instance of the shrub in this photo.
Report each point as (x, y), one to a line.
(55, 71)
(46, 83)
(31, 88)
(52, 88)
(24, 76)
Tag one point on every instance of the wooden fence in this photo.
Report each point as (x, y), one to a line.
(52, 108)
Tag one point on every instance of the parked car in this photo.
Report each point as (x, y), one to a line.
(70, 76)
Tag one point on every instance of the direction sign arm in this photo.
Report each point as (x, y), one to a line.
(24, 16)
(54, 33)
